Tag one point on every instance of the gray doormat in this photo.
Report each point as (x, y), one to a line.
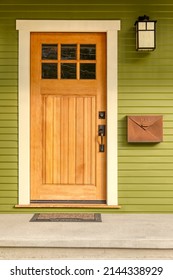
(66, 217)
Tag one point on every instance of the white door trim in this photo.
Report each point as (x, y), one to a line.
(25, 27)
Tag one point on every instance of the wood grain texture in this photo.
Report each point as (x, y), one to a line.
(68, 140)
(72, 140)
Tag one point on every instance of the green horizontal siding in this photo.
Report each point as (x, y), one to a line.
(6, 188)
(145, 86)
(145, 195)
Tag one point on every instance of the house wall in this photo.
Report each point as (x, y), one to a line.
(145, 86)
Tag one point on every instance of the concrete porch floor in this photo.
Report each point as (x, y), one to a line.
(118, 236)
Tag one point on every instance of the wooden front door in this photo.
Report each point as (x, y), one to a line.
(68, 90)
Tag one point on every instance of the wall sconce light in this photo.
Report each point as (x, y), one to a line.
(145, 34)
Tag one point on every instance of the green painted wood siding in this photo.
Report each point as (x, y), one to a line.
(145, 86)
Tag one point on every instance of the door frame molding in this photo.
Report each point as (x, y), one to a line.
(25, 27)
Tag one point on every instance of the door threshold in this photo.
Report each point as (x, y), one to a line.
(51, 205)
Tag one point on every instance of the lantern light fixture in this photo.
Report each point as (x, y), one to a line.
(145, 34)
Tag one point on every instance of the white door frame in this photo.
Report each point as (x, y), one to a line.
(25, 27)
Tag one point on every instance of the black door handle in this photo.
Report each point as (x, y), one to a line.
(101, 132)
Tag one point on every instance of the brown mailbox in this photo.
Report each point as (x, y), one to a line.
(145, 129)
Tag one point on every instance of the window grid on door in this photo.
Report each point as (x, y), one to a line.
(68, 61)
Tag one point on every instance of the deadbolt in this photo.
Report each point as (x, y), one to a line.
(102, 115)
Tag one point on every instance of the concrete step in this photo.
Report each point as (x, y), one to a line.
(118, 236)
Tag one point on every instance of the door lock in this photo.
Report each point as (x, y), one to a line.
(102, 115)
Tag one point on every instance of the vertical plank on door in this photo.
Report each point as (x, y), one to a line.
(87, 140)
(49, 123)
(79, 141)
(43, 140)
(56, 140)
(94, 142)
(72, 139)
(64, 140)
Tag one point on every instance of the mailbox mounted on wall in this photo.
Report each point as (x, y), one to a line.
(145, 129)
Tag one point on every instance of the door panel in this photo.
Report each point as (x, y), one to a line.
(68, 89)
(68, 140)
